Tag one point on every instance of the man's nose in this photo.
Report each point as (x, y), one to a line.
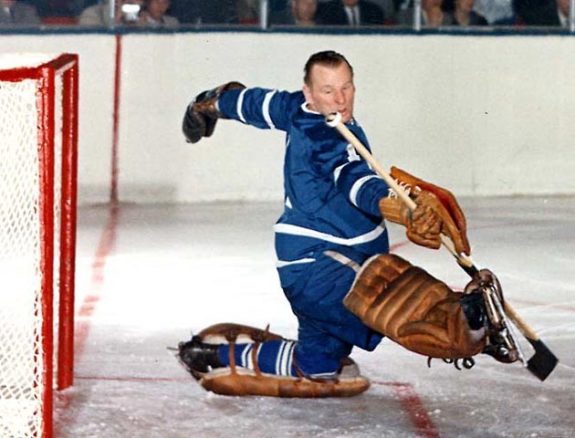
(339, 97)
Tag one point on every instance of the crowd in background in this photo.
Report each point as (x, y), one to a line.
(172, 13)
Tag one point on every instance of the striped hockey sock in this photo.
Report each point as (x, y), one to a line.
(273, 357)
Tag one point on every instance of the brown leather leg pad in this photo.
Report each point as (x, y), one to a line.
(408, 305)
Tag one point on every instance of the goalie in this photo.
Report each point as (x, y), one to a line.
(332, 248)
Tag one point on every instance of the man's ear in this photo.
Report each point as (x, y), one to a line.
(307, 94)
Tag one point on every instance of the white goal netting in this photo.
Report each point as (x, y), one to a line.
(30, 220)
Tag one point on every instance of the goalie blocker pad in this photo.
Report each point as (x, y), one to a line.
(240, 381)
(414, 309)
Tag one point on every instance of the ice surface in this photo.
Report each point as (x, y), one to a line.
(168, 270)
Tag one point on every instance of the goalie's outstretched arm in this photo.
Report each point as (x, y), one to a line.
(259, 107)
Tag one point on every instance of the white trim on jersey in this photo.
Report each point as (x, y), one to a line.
(355, 188)
(239, 105)
(283, 263)
(337, 171)
(266, 108)
(306, 109)
(344, 260)
(295, 230)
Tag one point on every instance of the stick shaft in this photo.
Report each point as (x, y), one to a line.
(527, 331)
(364, 152)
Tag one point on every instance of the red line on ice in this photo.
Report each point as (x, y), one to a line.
(82, 329)
(105, 247)
(414, 407)
(135, 378)
(398, 245)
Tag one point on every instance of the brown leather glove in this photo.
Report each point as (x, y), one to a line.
(202, 113)
(437, 213)
(446, 199)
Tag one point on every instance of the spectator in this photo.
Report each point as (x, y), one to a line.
(496, 12)
(13, 12)
(388, 8)
(247, 11)
(350, 12)
(433, 15)
(77, 6)
(437, 13)
(205, 12)
(464, 15)
(537, 12)
(563, 12)
(127, 12)
(301, 13)
(403, 12)
(50, 8)
(154, 14)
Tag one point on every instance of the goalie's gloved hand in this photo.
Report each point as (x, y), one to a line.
(203, 113)
(451, 208)
(426, 223)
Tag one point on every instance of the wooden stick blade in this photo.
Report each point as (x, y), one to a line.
(543, 361)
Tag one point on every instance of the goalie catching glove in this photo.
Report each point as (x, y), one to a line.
(437, 213)
(203, 113)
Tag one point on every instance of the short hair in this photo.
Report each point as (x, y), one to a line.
(328, 58)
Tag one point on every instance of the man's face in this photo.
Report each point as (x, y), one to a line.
(304, 9)
(350, 3)
(465, 5)
(157, 8)
(331, 89)
(563, 6)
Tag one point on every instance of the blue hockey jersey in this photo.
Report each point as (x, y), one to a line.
(331, 194)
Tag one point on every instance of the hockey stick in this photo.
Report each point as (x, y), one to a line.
(543, 361)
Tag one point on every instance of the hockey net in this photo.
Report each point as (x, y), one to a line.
(38, 142)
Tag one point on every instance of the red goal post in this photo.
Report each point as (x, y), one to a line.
(38, 181)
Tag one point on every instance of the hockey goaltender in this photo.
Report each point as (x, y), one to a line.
(332, 247)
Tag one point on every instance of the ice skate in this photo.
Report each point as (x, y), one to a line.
(501, 344)
(198, 357)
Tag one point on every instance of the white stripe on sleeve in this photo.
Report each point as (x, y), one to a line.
(240, 104)
(266, 108)
(357, 186)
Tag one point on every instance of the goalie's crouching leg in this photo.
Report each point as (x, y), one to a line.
(229, 376)
(421, 313)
